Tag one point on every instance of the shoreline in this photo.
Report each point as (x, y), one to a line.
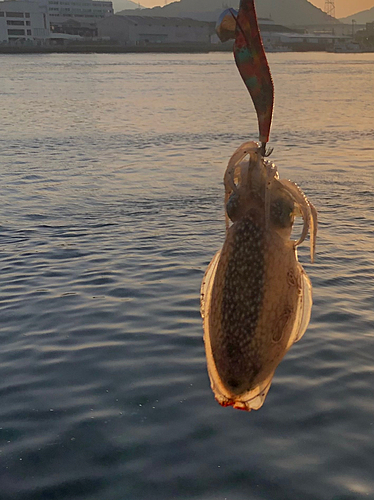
(89, 48)
(112, 49)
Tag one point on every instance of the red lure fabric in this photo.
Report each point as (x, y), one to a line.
(253, 66)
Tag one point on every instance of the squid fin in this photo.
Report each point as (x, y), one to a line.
(304, 309)
(207, 284)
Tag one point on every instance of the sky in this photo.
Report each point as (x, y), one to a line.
(343, 8)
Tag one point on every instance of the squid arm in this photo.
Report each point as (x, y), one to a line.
(229, 178)
(308, 213)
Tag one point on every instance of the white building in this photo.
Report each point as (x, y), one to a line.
(82, 11)
(142, 30)
(23, 22)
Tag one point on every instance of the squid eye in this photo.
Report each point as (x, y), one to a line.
(282, 213)
(233, 206)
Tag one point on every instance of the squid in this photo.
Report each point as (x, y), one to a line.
(256, 298)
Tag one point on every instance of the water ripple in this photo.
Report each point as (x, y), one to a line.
(112, 203)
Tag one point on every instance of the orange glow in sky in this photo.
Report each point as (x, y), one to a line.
(343, 8)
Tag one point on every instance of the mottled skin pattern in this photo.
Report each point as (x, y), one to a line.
(257, 301)
(253, 303)
(236, 304)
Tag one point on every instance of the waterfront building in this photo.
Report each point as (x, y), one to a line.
(144, 30)
(312, 41)
(89, 11)
(23, 22)
(76, 17)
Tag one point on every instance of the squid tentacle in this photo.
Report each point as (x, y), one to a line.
(245, 149)
(313, 231)
(236, 158)
(271, 176)
(308, 213)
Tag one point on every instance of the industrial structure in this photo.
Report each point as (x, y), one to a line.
(23, 22)
(139, 30)
(77, 17)
(59, 22)
(279, 38)
(330, 7)
(73, 17)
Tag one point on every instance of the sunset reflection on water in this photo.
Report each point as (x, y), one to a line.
(112, 205)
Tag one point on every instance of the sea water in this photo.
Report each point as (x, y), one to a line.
(111, 209)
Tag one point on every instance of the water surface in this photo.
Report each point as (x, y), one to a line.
(111, 208)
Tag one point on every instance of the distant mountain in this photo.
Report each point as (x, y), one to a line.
(125, 4)
(363, 17)
(286, 12)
